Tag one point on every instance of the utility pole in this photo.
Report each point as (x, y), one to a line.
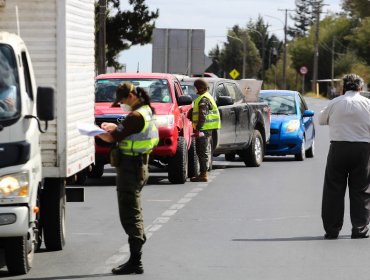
(332, 58)
(285, 45)
(316, 5)
(102, 36)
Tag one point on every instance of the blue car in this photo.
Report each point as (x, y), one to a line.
(292, 128)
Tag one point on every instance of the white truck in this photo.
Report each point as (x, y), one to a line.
(59, 35)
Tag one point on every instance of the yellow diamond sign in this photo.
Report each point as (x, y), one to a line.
(234, 74)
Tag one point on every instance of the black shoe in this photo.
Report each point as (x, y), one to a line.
(359, 235)
(129, 268)
(330, 236)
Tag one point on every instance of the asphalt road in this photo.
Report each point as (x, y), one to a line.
(245, 223)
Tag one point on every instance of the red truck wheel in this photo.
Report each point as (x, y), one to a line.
(97, 170)
(193, 162)
(178, 164)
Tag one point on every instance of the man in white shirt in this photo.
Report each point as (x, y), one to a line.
(348, 117)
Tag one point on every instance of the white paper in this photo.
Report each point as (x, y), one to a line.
(90, 129)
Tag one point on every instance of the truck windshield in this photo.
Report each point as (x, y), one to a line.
(9, 86)
(158, 89)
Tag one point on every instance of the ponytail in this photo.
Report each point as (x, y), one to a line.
(144, 97)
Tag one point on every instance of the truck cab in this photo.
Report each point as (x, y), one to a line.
(176, 148)
(20, 154)
(42, 103)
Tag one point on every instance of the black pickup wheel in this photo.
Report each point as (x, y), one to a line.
(253, 155)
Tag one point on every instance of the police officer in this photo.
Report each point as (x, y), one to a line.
(205, 118)
(136, 136)
(348, 162)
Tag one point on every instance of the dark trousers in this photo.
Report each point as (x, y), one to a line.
(348, 163)
(132, 175)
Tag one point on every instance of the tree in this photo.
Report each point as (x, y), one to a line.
(125, 28)
(258, 32)
(232, 54)
(360, 39)
(357, 8)
(334, 48)
(302, 19)
(215, 68)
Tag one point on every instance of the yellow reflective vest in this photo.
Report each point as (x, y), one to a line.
(144, 141)
(213, 120)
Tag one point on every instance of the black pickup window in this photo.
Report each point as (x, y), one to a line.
(221, 91)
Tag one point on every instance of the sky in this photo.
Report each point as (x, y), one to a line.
(216, 17)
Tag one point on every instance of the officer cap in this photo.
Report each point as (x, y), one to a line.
(200, 84)
(123, 91)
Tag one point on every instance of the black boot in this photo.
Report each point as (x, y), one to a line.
(132, 266)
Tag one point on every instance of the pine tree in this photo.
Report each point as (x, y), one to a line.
(125, 28)
(302, 18)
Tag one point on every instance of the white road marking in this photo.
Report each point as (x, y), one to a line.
(124, 252)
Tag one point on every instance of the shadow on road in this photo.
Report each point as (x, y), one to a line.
(278, 158)
(5, 274)
(282, 239)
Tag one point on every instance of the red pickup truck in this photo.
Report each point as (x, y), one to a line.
(176, 148)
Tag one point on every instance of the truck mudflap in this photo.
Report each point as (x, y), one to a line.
(14, 221)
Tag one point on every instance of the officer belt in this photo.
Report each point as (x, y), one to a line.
(142, 157)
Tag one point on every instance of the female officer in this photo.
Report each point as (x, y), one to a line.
(136, 136)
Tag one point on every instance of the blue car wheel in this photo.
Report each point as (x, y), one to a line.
(311, 151)
(302, 154)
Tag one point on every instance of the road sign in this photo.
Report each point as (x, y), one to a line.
(234, 74)
(303, 70)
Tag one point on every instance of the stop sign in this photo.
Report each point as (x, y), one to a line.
(303, 70)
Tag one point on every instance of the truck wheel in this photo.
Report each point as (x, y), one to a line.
(97, 170)
(19, 253)
(53, 205)
(253, 155)
(193, 162)
(82, 176)
(177, 165)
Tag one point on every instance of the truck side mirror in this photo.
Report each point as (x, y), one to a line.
(185, 100)
(45, 103)
(224, 101)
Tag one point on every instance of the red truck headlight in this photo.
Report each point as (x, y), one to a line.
(164, 120)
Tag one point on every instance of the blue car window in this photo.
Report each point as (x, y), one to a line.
(280, 105)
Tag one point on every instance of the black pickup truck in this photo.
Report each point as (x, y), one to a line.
(245, 127)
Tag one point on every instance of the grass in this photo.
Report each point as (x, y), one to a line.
(314, 95)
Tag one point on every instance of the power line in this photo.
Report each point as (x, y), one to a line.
(285, 44)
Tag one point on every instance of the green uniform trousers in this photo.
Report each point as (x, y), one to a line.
(132, 174)
(203, 153)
